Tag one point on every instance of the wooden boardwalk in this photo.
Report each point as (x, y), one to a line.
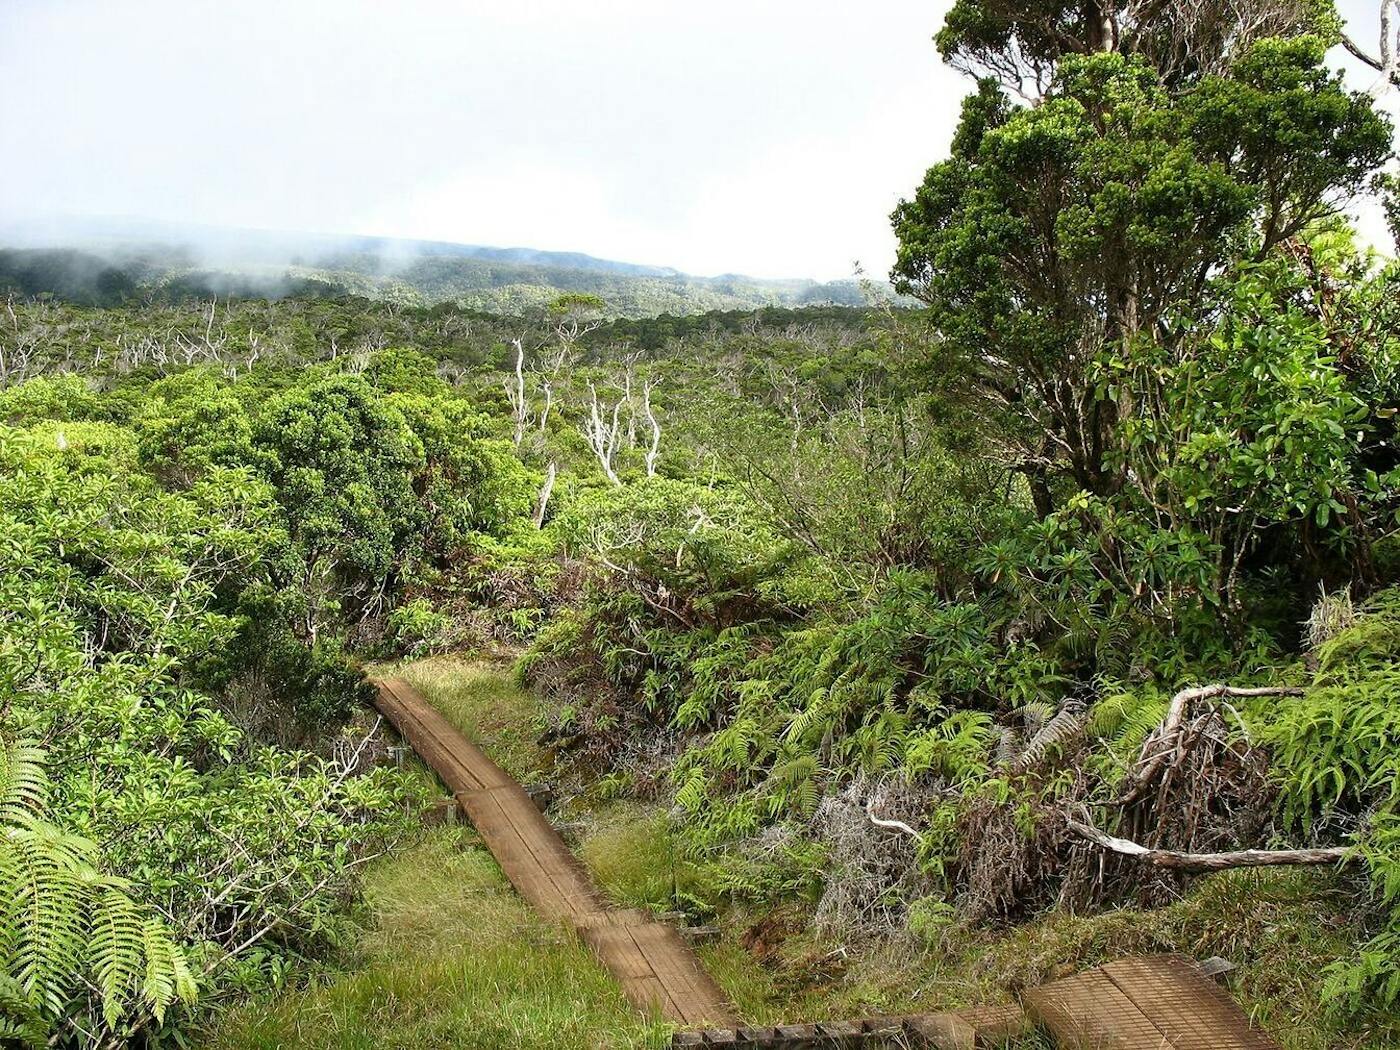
(1162, 1002)
(1155, 1003)
(652, 962)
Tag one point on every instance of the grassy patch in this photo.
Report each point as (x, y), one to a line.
(480, 699)
(1281, 927)
(451, 958)
(632, 855)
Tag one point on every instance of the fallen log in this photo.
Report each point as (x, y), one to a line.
(1205, 862)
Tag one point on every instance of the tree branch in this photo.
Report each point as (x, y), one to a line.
(1203, 862)
(1161, 745)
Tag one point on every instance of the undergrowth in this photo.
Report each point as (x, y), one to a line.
(448, 957)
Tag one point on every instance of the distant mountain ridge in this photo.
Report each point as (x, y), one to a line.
(190, 260)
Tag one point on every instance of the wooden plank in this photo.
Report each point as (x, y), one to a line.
(444, 738)
(513, 854)
(839, 1035)
(1192, 1010)
(570, 879)
(1090, 1012)
(669, 970)
(700, 999)
(648, 994)
(996, 1025)
(408, 719)
(942, 1031)
(797, 1036)
(617, 951)
(655, 967)
(756, 1035)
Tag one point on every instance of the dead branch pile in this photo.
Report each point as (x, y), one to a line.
(1198, 788)
(874, 873)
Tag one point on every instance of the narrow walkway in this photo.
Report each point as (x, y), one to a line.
(652, 962)
(1160, 1002)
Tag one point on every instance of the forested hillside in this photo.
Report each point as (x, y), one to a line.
(128, 265)
(1055, 619)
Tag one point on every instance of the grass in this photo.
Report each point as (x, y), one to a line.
(482, 701)
(450, 958)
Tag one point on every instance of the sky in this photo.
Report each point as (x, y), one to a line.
(766, 137)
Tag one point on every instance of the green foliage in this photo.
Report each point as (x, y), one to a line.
(66, 926)
(416, 628)
(120, 596)
(1080, 223)
(1389, 186)
(1335, 753)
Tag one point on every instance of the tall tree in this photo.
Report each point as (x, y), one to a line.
(1062, 230)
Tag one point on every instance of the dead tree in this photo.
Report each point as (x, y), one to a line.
(542, 503)
(1387, 61)
(1170, 758)
(654, 449)
(515, 392)
(547, 385)
(1166, 746)
(602, 430)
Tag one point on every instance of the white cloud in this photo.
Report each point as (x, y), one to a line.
(771, 137)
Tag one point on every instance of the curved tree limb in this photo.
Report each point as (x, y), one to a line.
(893, 825)
(1204, 862)
(1161, 745)
(1387, 63)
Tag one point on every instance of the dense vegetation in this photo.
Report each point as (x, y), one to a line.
(909, 618)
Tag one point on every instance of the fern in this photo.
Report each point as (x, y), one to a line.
(792, 787)
(23, 782)
(66, 926)
(1123, 719)
(21, 1023)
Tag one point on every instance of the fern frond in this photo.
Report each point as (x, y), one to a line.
(21, 1023)
(24, 786)
(65, 926)
(117, 950)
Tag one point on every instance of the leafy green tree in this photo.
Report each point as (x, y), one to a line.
(1023, 41)
(1076, 226)
(1389, 185)
(342, 463)
(191, 423)
(113, 591)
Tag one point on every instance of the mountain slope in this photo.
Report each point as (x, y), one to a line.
(101, 261)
